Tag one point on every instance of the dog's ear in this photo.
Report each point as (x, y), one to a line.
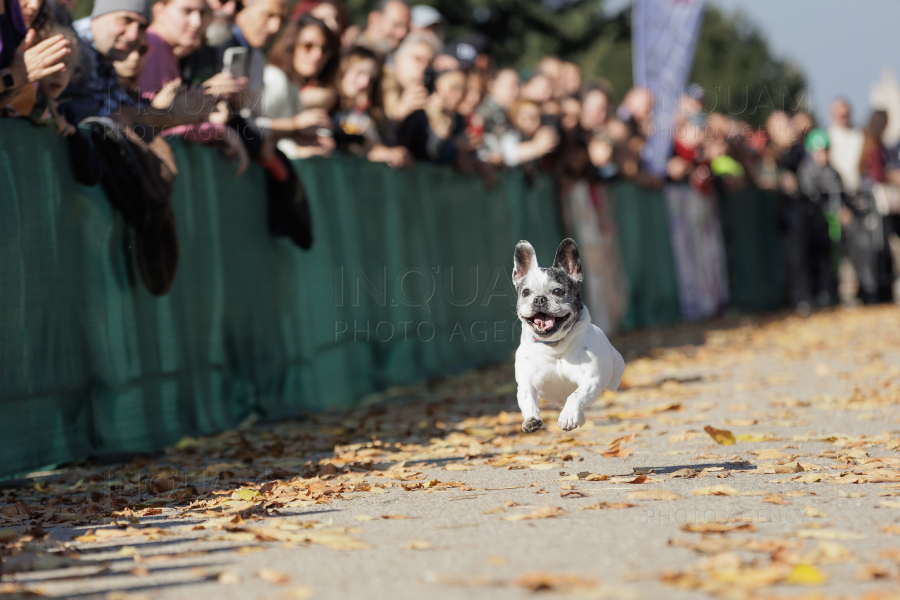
(524, 260)
(568, 259)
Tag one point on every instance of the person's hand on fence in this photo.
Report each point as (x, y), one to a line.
(314, 118)
(233, 148)
(397, 157)
(63, 127)
(32, 64)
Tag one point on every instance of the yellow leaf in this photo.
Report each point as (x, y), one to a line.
(418, 545)
(890, 503)
(364, 517)
(805, 575)
(249, 495)
(721, 436)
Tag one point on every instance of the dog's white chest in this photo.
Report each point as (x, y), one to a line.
(556, 381)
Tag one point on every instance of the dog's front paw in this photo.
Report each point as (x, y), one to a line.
(570, 419)
(532, 424)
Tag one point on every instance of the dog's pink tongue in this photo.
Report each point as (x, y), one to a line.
(545, 323)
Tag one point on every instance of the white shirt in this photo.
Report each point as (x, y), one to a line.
(280, 100)
(843, 156)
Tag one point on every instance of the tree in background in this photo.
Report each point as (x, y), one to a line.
(733, 61)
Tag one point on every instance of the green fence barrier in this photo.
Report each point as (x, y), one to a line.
(409, 276)
(646, 256)
(753, 249)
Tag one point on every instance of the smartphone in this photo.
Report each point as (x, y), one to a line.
(235, 61)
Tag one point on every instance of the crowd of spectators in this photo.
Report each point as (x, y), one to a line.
(265, 81)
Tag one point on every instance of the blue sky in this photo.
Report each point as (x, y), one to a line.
(841, 45)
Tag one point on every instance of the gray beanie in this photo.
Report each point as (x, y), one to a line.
(141, 7)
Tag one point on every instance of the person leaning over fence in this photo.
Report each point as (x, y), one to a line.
(436, 133)
(502, 92)
(255, 26)
(299, 88)
(114, 30)
(403, 82)
(529, 141)
(360, 126)
(177, 31)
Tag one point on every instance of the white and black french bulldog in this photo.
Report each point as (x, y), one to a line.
(562, 356)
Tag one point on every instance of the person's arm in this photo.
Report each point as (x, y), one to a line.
(544, 141)
(278, 118)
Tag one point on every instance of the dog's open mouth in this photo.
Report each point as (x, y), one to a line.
(544, 324)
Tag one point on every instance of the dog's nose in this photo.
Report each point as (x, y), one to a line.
(540, 300)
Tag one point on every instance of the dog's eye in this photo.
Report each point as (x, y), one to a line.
(526, 292)
(559, 291)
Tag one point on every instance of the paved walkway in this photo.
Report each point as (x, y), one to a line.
(745, 459)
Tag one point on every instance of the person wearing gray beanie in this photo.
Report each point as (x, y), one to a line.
(102, 7)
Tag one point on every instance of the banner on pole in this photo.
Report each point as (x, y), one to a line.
(664, 37)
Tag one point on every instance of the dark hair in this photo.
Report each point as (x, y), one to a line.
(353, 55)
(877, 124)
(282, 53)
(307, 6)
(602, 86)
(382, 4)
(872, 138)
(44, 21)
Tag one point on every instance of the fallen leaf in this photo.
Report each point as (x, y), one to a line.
(655, 494)
(721, 436)
(542, 582)
(541, 513)
(273, 576)
(607, 505)
(814, 513)
(805, 575)
(715, 490)
(717, 527)
(229, 578)
(870, 572)
(829, 534)
(418, 545)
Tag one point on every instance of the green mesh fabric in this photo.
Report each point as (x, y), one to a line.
(409, 277)
(646, 256)
(753, 249)
(90, 363)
